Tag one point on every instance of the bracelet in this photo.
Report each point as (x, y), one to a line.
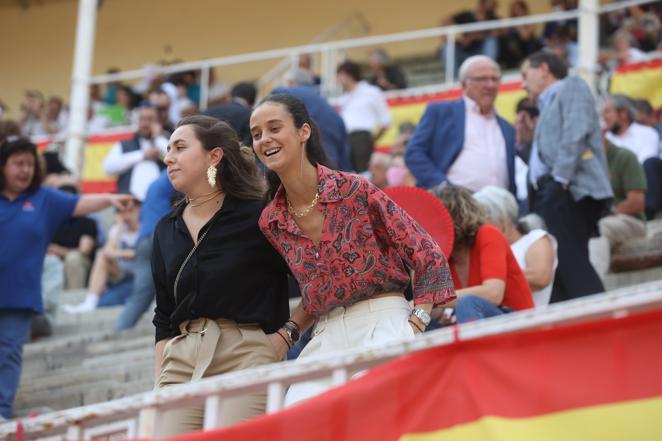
(296, 325)
(416, 326)
(284, 339)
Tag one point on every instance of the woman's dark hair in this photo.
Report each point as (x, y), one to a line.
(20, 145)
(468, 215)
(238, 175)
(314, 150)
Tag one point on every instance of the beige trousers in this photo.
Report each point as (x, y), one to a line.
(76, 269)
(206, 348)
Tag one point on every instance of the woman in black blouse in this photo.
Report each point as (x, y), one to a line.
(221, 289)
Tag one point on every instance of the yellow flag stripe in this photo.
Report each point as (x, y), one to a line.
(634, 420)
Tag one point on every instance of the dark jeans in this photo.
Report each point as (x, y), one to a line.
(142, 292)
(572, 223)
(653, 170)
(361, 144)
(472, 308)
(14, 332)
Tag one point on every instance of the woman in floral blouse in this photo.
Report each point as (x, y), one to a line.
(350, 248)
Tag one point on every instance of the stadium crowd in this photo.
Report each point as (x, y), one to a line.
(538, 206)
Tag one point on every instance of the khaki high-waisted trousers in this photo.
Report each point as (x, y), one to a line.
(206, 348)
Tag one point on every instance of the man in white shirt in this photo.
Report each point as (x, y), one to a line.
(618, 114)
(137, 162)
(364, 111)
(464, 142)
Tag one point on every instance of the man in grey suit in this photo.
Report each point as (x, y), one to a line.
(568, 177)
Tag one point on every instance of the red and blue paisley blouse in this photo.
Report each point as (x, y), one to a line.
(367, 246)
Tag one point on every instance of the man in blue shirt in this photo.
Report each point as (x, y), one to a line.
(157, 203)
(300, 83)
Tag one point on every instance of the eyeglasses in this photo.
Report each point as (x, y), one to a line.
(485, 79)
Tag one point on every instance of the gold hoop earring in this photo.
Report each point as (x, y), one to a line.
(211, 176)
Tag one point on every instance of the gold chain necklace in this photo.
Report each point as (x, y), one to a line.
(189, 200)
(306, 211)
(206, 200)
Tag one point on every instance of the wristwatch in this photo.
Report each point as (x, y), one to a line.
(292, 333)
(422, 315)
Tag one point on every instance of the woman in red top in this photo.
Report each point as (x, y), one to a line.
(488, 279)
(350, 248)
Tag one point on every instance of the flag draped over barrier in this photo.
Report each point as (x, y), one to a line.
(598, 380)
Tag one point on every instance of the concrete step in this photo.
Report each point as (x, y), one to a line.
(82, 394)
(123, 372)
(629, 278)
(42, 358)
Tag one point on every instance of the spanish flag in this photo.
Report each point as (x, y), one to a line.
(599, 380)
(640, 80)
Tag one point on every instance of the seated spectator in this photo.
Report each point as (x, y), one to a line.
(237, 112)
(645, 115)
(74, 244)
(300, 83)
(472, 43)
(525, 126)
(562, 44)
(534, 249)
(644, 26)
(31, 114)
(161, 102)
(519, 42)
(306, 63)
(365, 112)
(55, 118)
(158, 202)
(9, 129)
(618, 114)
(386, 75)
(624, 50)
(137, 162)
(377, 168)
(398, 175)
(488, 280)
(626, 222)
(112, 272)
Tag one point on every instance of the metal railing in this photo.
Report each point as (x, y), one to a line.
(139, 415)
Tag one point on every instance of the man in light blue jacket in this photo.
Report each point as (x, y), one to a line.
(568, 177)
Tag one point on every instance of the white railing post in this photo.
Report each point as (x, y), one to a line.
(325, 68)
(204, 87)
(148, 420)
(588, 41)
(449, 62)
(339, 377)
(80, 82)
(212, 413)
(74, 433)
(275, 396)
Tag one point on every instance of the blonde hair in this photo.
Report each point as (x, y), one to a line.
(468, 216)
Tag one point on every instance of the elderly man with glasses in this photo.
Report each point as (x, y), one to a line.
(464, 141)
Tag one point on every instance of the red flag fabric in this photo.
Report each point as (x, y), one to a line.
(594, 380)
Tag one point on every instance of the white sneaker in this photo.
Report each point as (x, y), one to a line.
(83, 306)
